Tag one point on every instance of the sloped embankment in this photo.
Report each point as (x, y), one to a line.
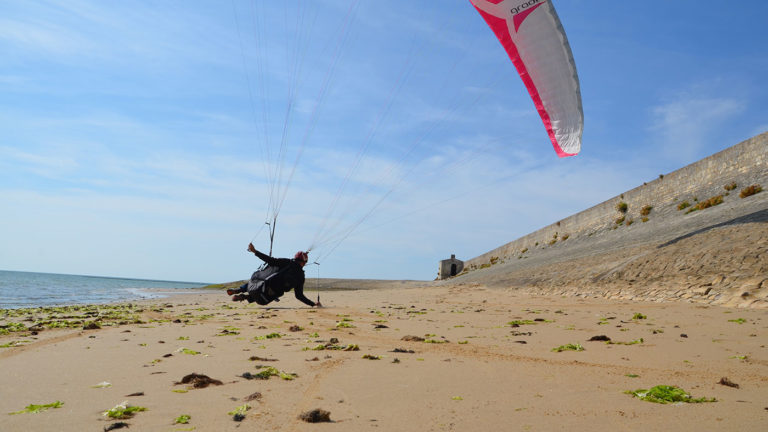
(717, 255)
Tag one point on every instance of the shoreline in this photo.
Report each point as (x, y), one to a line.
(162, 293)
(28, 289)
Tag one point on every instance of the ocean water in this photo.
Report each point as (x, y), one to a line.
(25, 289)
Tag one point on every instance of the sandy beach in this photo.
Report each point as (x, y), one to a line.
(485, 361)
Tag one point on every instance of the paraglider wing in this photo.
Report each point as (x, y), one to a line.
(531, 33)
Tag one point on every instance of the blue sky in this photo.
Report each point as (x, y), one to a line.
(138, 138)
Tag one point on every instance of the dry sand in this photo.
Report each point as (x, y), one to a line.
(483, 373)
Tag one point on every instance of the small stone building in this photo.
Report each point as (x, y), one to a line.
(450, 267)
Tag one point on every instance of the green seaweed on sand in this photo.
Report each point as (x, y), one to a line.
(664, 394)
(332, 346)
(12, 344)
(60, 324)
(123, 411)
(268, 336)
(241, 410)
(229, 331)
(182, 419)
(35, 408)
(517, 323)
(738, 320)
(267, 373)
(632, 375)
(568, 347)
(318, 347)
(634, 342)
(270, 371)
(638, 316)
(288, 376)
(12, 327)
(344, 324)
(371, 357)
(188, 351)
(76, 316)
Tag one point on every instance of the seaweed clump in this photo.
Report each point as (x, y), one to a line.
(269, 372)
(238, 414)
(568, 347)
(123, 411)
(37, 408)
(726, 382)
(315, 416)
(664, 394)
(199, 380)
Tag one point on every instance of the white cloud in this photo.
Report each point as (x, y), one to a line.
(48, 165)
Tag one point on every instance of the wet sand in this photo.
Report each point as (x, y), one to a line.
(487, 363)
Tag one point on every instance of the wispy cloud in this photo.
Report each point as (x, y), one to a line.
(685, 125)
(42, 37)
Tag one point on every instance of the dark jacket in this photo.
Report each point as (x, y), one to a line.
(278, 277)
